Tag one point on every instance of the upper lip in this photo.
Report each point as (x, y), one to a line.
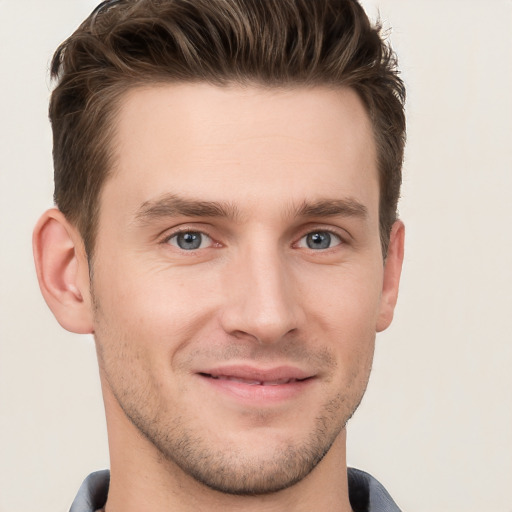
(251, 373)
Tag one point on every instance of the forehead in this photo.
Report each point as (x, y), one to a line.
(243, 143)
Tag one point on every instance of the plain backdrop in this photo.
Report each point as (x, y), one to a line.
(436, 424)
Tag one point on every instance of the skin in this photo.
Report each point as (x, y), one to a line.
(261, 179)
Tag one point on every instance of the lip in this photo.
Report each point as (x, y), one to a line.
(258, 386)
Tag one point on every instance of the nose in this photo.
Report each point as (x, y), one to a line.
(262, 299)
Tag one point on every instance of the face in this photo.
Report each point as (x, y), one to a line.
(238, 277)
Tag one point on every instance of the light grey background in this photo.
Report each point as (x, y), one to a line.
(436, 424)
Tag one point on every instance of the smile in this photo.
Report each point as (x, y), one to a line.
(255, 386)
(252, 382)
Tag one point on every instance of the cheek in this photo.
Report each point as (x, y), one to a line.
(346, 297)
(342, 309)
(154, 308)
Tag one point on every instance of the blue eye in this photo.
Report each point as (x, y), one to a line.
(190, 240)
(318, 240)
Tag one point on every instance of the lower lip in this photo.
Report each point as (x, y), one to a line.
(258, 394)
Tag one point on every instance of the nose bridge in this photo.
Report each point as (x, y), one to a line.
(261, 302)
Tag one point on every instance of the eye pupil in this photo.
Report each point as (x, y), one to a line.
(189, 241)
(319, 240)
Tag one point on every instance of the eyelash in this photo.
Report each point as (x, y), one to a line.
(184, 231)
(167, 239)
(331, 232)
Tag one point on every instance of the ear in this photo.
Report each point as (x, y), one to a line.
(392, 271)
(63, 271)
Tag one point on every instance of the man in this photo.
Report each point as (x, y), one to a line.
(226, 175)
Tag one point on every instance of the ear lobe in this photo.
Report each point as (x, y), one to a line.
(392, 272)
(62, 271)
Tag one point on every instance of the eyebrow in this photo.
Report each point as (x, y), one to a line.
(171, 205)
(347, 207)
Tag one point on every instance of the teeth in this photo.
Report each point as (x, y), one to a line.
(245, 381)
(254, 382)
(277, 382)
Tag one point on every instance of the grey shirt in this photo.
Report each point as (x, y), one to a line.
(366, 494)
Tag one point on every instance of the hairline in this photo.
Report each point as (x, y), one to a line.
(129, 87)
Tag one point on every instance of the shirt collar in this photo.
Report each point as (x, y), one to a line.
(365, 492)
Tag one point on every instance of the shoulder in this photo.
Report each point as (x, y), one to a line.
(92, 494)
(367, 494)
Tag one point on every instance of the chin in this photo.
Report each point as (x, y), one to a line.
(257, 462)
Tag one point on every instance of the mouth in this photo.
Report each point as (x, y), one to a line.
(254, 382)
(258, 386)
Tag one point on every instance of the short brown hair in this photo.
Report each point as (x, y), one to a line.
(128, 43)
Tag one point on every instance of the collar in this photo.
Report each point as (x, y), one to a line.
(366, 494)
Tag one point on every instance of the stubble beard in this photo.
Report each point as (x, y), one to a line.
(227, 469)
(231, 471)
